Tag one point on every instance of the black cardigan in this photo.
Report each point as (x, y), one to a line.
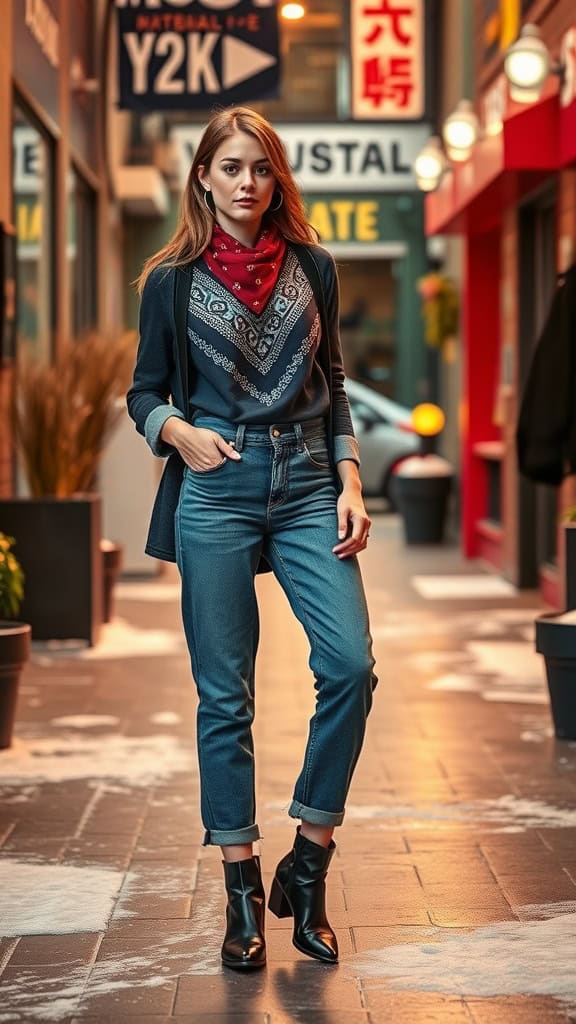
(546, 433)
(162, 369)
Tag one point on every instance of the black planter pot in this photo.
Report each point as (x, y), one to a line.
(14, 653)
(111, 566)
(556, 641)
(58, 547)
(422, 502)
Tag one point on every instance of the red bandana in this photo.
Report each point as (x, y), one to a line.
(251, 274)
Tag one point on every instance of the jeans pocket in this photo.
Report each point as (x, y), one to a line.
(317, 453)
(211, 469)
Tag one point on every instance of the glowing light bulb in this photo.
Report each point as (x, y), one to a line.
(292, 12)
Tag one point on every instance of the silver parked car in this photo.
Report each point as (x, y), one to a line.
(384, 433)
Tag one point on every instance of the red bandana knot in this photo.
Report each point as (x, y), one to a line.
(243, 262)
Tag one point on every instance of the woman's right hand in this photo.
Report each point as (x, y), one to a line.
(201, 449)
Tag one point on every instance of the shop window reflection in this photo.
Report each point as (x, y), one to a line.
(33, 219)
(368, 323)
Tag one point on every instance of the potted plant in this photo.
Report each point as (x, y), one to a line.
(556, 641)
(64, 415)
(14, 637)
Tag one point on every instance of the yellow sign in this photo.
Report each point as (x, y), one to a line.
(345, 220)
(28, 222)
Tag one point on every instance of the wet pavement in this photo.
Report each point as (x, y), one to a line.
(453, 887)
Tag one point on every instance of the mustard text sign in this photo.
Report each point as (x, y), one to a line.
(28, 222)
(346, 220)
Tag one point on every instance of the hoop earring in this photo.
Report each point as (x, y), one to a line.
(211, 210)
(272, 209)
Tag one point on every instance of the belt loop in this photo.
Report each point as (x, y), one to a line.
(240, 437)
(299, 436)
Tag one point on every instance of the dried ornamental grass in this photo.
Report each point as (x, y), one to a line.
(66, 412)
(11, 579)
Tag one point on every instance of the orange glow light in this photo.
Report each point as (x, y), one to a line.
(292, 12)
(428, 419)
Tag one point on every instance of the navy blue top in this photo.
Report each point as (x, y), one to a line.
(250, 367)
(254, 367)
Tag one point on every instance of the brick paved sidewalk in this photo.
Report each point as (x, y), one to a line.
(453, 890)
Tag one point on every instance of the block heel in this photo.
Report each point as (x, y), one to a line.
(299, 891)
(277, 901)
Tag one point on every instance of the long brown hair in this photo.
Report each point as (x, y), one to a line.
(194, 229)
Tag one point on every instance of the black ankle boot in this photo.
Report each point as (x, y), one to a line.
(244, 946)
(299, 891)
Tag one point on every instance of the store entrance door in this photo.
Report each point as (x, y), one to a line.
(538, 503)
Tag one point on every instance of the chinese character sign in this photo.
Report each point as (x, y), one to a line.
(388, 72)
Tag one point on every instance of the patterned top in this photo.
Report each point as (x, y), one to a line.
(257, 367)
(246, 366)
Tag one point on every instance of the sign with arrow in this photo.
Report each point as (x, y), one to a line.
(194, 54)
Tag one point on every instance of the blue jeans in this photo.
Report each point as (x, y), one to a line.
(279, 502)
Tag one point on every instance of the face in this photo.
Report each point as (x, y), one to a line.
(241, 182)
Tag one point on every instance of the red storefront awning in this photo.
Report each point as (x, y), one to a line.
(534, 141)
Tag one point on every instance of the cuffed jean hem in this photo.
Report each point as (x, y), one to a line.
(298, 810)
(232, 837)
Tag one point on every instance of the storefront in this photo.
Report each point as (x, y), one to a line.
(514, 203)
(377, 240)
(54, 191)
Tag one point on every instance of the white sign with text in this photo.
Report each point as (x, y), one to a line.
(337, 157)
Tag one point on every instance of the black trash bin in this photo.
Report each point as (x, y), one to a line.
(422, 487)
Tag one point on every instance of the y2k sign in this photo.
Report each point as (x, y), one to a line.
(193, 54)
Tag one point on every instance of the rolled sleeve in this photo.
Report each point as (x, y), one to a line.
(346, 447)
(153, 428)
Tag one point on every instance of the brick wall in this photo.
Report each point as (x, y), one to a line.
(553, 17)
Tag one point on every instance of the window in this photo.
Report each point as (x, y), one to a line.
(33, 217)
(82, 253)
(315, 65)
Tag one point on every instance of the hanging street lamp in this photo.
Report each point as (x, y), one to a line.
(460, 131)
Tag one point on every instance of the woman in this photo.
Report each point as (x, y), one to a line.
(239, 327)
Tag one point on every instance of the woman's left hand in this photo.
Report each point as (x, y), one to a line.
(353, 522)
